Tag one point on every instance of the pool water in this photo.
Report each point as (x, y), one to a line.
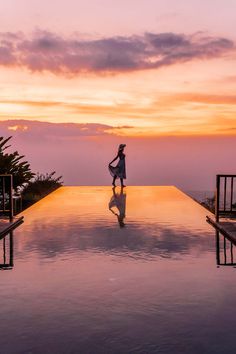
(98, 270)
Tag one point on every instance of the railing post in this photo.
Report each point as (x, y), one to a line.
(11, 261)
(225, 253)
(3, 194)
(11, 213)
(231, 193)
(6, 202)
(217, 247)
(217, 201)
(225, 194)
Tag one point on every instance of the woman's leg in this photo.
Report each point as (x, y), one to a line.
(114, 180)
(121, 182)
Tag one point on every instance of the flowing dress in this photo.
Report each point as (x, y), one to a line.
(119, 170)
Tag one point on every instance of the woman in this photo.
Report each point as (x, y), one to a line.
(119, 169)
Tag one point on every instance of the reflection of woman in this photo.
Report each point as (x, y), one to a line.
(119, 169)
(118, 201)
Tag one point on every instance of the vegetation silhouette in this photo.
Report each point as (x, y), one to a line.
(13, 163)
(39, 187)
(31, 186)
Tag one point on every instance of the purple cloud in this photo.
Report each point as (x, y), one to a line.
(46, 130)
(46, 51)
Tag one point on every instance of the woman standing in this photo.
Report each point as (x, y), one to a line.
(118, 171)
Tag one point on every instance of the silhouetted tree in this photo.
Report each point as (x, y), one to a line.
(13, 163)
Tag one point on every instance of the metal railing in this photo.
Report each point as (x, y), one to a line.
(225, 251)
(6, 196)
(7, 246)
(225, 199)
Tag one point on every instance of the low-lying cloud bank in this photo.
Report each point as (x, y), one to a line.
(27, 128)
(47, 51)
(82, 156)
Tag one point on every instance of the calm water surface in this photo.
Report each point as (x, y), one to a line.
(103, 272)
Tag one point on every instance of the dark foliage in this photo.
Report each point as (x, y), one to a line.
(13, 163)
(209, 204)
(32, 187)
(39, 187)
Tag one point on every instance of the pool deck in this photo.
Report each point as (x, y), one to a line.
(6, 225)
(226, 226)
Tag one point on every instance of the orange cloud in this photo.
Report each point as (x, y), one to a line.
(17, 127)
(205, 98)
(173, 114)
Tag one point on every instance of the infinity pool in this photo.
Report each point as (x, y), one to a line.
(101, 271)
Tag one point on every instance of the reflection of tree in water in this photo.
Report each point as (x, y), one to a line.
(117, 205)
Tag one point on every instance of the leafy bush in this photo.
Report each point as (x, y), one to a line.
(31, 186)
(39, 187)
(11, 163)
(209, 204)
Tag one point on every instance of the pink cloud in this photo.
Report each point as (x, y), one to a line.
(33, 129)
(47, 51)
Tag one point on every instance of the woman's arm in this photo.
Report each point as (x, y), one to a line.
(114, 159)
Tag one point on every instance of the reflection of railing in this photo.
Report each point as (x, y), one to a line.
(6, 198)
(225, 196)
(225, 251)
(6, 259)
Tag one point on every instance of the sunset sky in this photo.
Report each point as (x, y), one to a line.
(146, 67)
(101, 72)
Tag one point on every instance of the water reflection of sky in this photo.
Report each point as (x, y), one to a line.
(156, 223)
(80, 280)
